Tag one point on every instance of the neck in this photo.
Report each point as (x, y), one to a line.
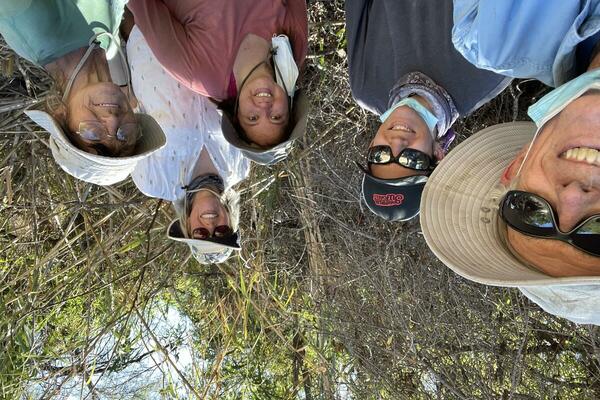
(94, 70)
(595, 61)
(253, 50)
(204, 165)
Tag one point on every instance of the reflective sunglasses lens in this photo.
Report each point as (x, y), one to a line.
(587, 237)
(127, 131)
(414, 159)
(379, 155)
(90, 132)
(201, 233)
(528, 213)
(222, 231)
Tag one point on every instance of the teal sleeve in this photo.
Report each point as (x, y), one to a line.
(44, 30)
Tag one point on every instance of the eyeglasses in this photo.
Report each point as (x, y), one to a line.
(532, 215)
(220, 231)
(408, 158)
(94, 131)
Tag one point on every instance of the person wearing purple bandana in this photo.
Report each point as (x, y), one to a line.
(409, 74)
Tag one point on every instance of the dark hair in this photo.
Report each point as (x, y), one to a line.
(229, 108)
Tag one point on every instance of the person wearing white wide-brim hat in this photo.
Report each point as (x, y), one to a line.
(518, 204)
(198, 168)
(94, 133)
(247, 55)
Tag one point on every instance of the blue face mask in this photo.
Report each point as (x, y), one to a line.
(427, 116)
(555, 101)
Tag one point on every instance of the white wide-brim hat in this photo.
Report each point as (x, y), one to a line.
(459, 211)
(93, 168)
(208, 251)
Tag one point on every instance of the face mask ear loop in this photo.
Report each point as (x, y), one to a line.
(123, 58)
(528, 151)
(278, 74)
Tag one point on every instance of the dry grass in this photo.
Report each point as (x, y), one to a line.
(325, 300)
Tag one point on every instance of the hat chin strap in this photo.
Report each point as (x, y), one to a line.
(92, 45)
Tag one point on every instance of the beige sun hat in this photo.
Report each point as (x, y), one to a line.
(208, 251)
(459, 211)
(96, 169)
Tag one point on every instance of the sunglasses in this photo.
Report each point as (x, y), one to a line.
(220, 231)
(532, 215)
(408, 158)
(96, 131)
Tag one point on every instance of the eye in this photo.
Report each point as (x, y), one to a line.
(200, 233)
(276, 118)
(253, 118)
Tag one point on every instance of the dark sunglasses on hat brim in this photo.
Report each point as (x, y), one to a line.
(533, 216)
(220, 231)
(408, 158)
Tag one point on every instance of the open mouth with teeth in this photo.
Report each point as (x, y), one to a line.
(209, 215)
(262, 92)
(582, 154)
(111, 105)
(400, 127)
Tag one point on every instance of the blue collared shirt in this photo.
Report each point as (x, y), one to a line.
(549, 40)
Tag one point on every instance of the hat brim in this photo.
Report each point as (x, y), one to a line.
(459, 207)
(392, 199)
(210, 245)
(100, 170)
(299, 119)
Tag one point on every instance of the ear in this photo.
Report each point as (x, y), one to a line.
(511, 170)
(438, 152)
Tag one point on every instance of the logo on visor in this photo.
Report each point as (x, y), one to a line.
(388, 200)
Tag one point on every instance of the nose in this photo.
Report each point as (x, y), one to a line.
(397, 144)
(111, 122)
(576, 201)
(263, 102)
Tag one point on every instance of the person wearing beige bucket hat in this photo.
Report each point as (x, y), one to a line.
(198, 169)
(404, 68)
(518, 204)
(94, 133)
(521, 201)
(246, 55)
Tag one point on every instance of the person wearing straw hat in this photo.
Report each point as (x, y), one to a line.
(518, 204)
(404, 68)
(244, 55)
(94, 133)
(197, 169)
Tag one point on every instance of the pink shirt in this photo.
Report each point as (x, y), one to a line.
(197, 41)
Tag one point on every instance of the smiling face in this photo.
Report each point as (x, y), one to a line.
(404, 128)
(206, 212)
(263, 112)
(564, 168)
(104, 107)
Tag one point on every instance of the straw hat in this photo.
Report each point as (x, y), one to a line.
(93, 168)
(459, 211)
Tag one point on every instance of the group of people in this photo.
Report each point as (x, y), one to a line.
(182, 95)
